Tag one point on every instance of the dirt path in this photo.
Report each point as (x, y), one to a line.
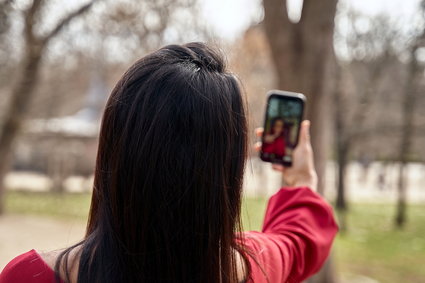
(21, 233)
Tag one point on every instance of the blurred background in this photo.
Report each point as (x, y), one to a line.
(359, 62)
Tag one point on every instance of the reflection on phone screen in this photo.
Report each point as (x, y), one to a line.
(281, 129)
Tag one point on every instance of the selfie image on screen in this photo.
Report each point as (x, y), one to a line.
(281, 129)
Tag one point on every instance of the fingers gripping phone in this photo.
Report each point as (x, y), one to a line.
(284, 114)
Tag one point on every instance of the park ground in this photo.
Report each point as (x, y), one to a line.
(370, 250)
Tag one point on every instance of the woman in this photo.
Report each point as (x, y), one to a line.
(167, 190)
(274, 141)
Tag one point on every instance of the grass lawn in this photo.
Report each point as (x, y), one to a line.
(370, 247)
(374, 248)
(68, 206)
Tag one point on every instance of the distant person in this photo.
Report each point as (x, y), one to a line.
(274, 140)
(382, 184)
(365, 162)
(168, 187)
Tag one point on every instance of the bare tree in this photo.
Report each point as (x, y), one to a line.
(5, 46)
(341, 140)
(373, 49)
(23, 89)
(147, 25)
(408, 110)
(138, 26)
(5, 8)
(301, 53)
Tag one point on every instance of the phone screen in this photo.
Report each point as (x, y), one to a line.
(284, 113)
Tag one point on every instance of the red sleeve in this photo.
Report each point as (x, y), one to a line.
(27, 268)
(296, 238)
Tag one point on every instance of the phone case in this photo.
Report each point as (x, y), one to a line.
(287, 126)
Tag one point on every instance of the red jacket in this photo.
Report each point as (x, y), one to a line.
(276, 147)
(296, 238)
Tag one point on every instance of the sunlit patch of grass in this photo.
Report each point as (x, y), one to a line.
(373, 247)
(66, 205)
(253, 210)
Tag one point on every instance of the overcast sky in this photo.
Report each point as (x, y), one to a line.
(229, 18)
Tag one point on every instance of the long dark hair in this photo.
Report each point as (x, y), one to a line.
(272, 124)
(167, 188)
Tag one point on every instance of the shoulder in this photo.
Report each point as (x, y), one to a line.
(28, 267)
(264, 257)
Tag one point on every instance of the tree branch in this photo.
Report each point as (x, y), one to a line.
(30, 19)
(276, 14)
(312, 8)
(278, 30)
(36, 4)
(5, 7)
(66, 20)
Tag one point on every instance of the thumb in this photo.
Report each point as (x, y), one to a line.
(305, 132)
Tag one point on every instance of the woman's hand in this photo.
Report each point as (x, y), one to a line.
(302, 172)
(269, 138)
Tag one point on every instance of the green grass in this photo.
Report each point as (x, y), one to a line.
(253, 213)
(370, 247)
(70, 205)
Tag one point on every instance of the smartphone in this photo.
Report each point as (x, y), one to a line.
(284, 114)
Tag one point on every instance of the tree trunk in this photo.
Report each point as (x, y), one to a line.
(301, 53)
(409, 101)
(343, 146)
(400, 218)
(341, 141)
(341, 203)
(20, 100)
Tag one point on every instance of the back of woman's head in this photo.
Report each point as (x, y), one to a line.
(169, 170)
